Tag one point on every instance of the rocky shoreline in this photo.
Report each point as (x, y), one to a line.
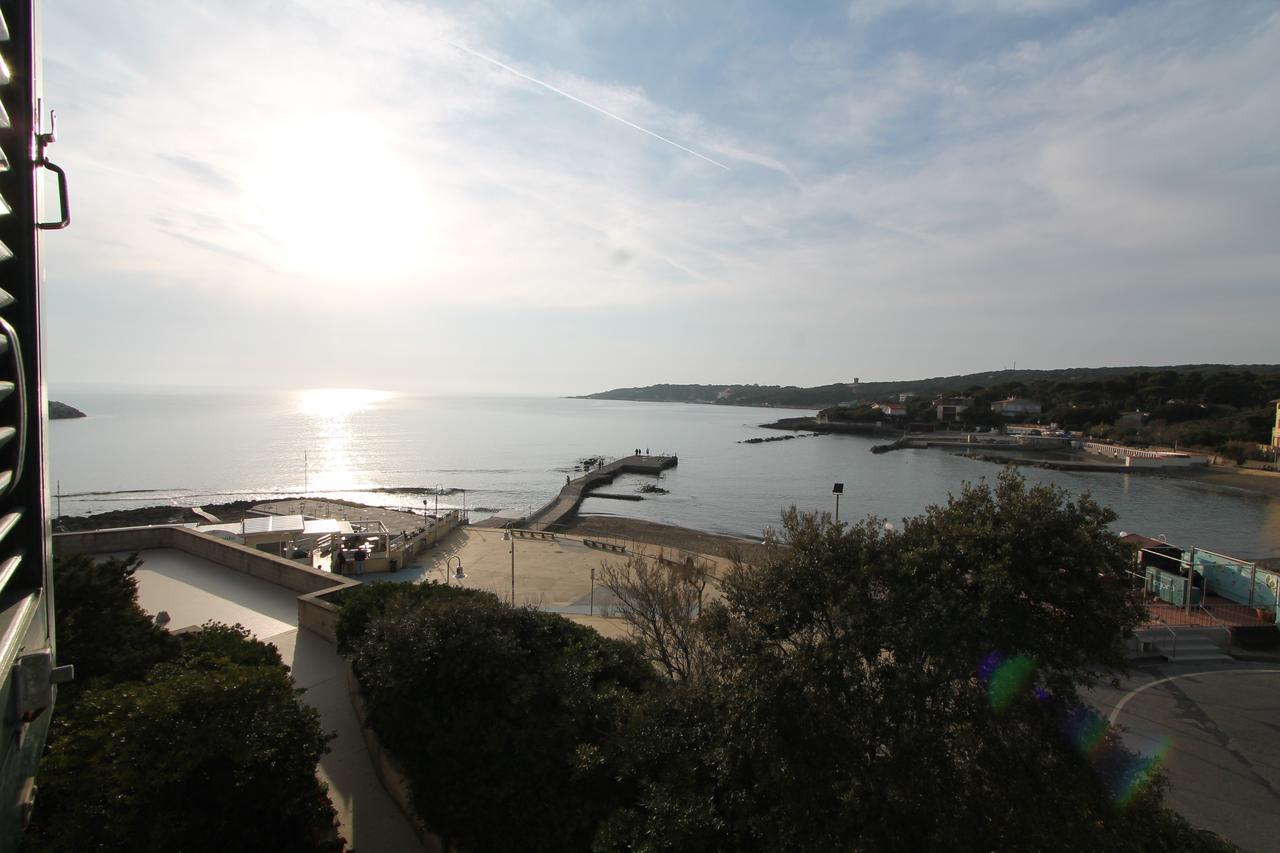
(168, 514)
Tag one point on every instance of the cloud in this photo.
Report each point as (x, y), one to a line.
(591, 106)
(201, 171)
(956, 170)
(866, 11)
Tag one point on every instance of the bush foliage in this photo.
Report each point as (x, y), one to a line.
(190, 742)
(499, 716)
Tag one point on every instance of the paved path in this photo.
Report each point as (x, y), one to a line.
(193, 590)
(1219, 725)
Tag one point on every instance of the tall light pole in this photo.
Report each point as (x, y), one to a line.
(513, 569)
(836, 490)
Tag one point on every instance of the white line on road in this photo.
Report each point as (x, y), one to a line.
(1125, 699)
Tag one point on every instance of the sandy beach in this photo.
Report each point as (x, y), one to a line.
(664, 535)
(1249, 479)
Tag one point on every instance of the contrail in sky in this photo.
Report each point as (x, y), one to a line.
(600, 110)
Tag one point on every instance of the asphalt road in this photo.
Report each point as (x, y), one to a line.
(1218, 725)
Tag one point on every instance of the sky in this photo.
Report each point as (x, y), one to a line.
(565, 197)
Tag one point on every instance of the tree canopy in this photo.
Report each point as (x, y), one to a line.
(869, 689)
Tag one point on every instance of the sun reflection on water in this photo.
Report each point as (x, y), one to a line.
(333, 461)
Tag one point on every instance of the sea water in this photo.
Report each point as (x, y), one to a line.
(141, 448)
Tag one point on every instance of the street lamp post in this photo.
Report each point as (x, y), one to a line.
(461, 575)
(836, 490)
(513, 568)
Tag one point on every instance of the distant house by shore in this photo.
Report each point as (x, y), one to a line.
(952, 407)
(1015, 407)
(1130, 421)
(892, 410)
(1033, 429)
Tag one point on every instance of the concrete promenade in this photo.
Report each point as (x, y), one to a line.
(1215, 725)
(565, 505)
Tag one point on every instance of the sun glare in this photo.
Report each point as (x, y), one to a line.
(339, 402)
(335, 199)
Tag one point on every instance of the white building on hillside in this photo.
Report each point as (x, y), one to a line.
(1016, 406)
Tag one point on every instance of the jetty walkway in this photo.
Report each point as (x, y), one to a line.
(565, 505)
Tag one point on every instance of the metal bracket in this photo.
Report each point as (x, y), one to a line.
(45, 138)
(34, 677)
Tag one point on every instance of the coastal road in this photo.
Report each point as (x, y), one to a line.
(1218, 726)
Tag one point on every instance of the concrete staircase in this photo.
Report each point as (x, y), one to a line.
(1187, 644)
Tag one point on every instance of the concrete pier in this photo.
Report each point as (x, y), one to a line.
(565, 505)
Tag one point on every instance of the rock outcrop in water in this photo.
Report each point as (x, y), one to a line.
(60, 411)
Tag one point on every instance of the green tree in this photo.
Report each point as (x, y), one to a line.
(100, 627)
(875, 690)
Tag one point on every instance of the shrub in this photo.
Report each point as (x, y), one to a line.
(500, 717)
(191, 742)
(212, 752)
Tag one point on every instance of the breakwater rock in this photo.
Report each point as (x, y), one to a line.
(829, 427)
(775, 438)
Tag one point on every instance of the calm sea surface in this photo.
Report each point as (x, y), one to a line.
(142, 449)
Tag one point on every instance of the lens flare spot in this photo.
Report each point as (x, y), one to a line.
(1008, 680)
(1139, 774)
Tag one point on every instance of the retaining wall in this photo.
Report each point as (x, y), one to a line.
(388, 771)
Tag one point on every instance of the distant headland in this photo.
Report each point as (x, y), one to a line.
(823, 396)
(61, 411)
